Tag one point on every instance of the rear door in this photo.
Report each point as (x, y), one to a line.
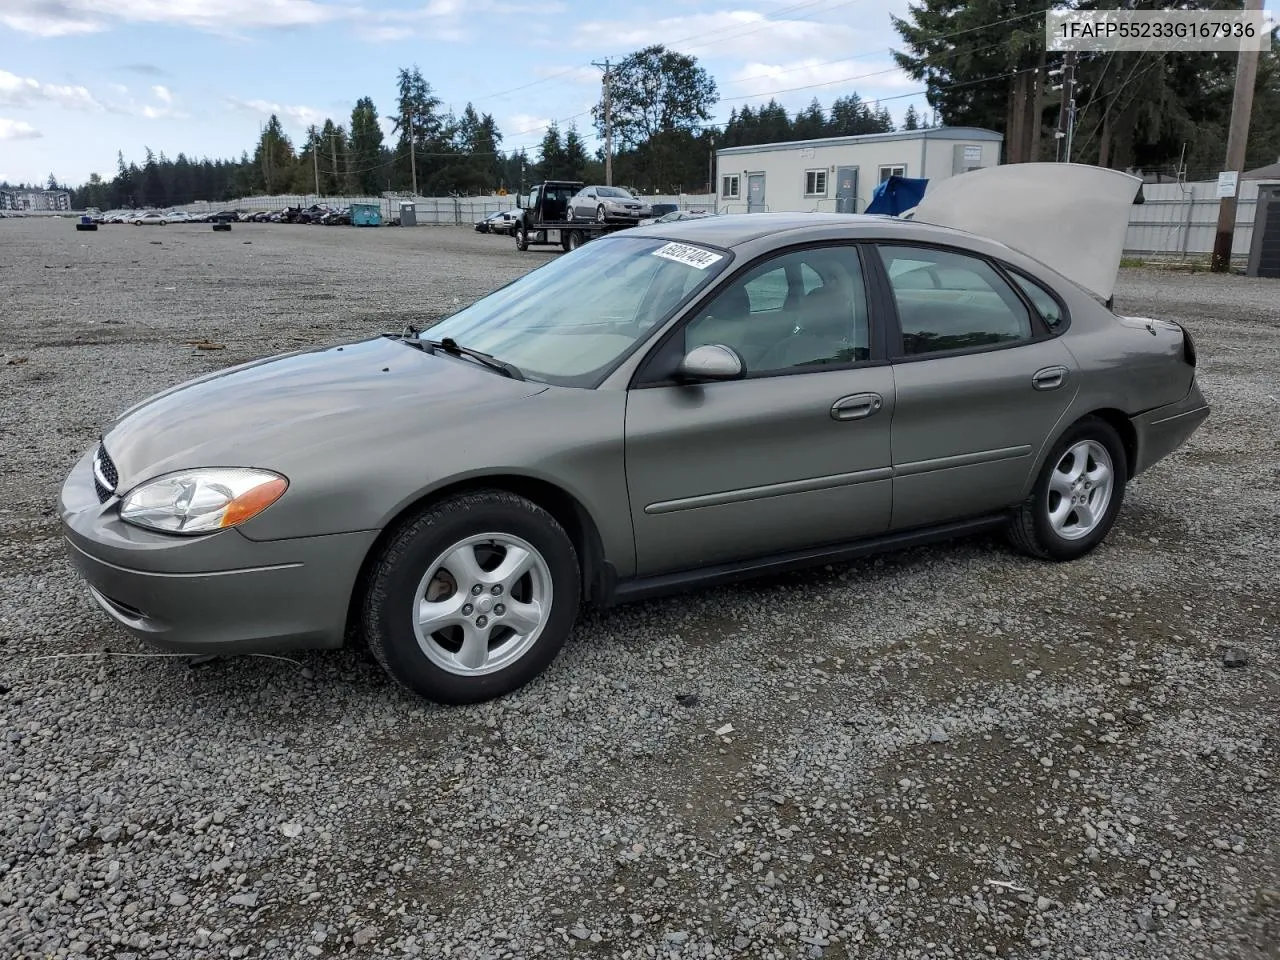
(981, 382)
(794, 455)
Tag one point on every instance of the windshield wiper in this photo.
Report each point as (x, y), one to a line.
(449, 345)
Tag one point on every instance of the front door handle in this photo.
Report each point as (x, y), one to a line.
(856, 407)
(1050, 378)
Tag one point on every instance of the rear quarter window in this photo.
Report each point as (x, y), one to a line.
(1045, 303)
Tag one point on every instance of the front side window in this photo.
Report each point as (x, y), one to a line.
(951, 301)
(570, 321)
(729, 188)
(796, 312)
(815, 183)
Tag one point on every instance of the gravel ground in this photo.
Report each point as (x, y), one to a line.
(947, 752)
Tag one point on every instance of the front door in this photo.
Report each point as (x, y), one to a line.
(755, 193)
(980, 385)
(846, 190)
(795, 455)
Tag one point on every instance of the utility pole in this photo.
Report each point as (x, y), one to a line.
(1067, 113)
(711, 173)
(413, 162)
(333, 146)
(608, 121)
(1237, 141)
(315, 160)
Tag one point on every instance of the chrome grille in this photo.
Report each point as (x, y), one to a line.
(105, 477)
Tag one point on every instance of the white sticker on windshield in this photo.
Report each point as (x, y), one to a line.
(693, 256)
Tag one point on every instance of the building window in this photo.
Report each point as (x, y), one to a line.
(893, 170)
(729, 188)
(815, 183)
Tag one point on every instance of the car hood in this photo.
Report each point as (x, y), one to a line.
(282, 411)
(1071, 216)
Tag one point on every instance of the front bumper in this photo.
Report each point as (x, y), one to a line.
(1163, 430)
(220, 593)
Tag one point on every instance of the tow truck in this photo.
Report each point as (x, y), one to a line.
(543, 220)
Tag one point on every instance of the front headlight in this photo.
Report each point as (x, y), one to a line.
(202, 501)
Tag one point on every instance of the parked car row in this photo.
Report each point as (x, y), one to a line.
(316, 213)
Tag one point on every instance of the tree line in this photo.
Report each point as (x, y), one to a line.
(984, 64)
(981, 64)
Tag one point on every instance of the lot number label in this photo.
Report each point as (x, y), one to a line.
(693, 256)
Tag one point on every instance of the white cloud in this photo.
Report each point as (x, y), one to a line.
(53, 18)
(525, 125)
(740, 34)
(297, 116)
(439, 19)
(162, 93)
(119, 89)
(821, 79)
(16, 91)
(17, 130)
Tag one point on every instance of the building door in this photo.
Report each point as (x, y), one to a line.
(755, 193)
(846, 189)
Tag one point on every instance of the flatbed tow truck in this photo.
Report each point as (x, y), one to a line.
(543, 219)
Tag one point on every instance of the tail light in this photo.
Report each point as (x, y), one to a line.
(1188, 346)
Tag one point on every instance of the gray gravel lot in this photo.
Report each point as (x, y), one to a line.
(948, 752)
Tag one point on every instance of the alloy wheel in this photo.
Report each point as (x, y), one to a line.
(1080, 489)
(482, 604)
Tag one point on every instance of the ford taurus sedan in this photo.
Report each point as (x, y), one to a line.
(743, 394)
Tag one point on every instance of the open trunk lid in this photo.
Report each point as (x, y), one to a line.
(1070, 216)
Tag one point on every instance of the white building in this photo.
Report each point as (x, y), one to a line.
(838, 174)
(21, 198)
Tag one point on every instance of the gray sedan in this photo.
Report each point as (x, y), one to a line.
(742, 394)
(606, 205)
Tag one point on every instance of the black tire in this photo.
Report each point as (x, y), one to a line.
(568, 212)
(409, 554)
(600, 215)
(522, 238)
(1030, 529)
(575, 240)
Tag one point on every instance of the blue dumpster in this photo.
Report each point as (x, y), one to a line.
(366, 215)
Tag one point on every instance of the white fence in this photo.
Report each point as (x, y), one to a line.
(1177, 220)
(429, 211)
(1180, 220)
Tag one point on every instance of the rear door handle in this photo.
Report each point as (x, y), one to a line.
(1050, 378)
(856, 407)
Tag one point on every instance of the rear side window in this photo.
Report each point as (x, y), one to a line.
(1043, 300)
(949, 301)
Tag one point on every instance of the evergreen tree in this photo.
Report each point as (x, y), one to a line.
(364, 149)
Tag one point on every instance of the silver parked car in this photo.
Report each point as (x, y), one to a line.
(664, 407)
(150, 218)
(606, 205)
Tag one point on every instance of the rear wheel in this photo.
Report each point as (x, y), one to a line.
(600, 217)
(1077, 496)
(575, 239)
(473, 598)
(568, 212)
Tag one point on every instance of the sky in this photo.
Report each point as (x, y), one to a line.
(83, 79)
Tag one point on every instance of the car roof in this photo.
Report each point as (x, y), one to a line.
(733, 229)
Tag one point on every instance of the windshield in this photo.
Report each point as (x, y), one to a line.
(571, 321)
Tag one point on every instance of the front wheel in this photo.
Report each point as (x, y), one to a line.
(1077, 495)
(473, 598)
(522, 238)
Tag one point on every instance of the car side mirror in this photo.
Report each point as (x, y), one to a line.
(712, 361)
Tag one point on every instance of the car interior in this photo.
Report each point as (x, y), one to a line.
(804, 308)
